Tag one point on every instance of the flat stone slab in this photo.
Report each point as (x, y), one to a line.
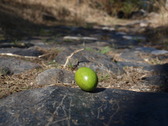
(79, 38)
(131, 55)
(134, 64)
(54, 76)
(33, 51)
(63, 106)
(15, 66)
(90, 58)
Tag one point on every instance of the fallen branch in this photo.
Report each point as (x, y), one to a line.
(69, 57)
(19, 56)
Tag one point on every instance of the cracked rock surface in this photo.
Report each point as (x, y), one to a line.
(62, 106)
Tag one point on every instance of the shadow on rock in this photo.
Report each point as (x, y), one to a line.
(159, 77)
(62, 106)
(97, 90)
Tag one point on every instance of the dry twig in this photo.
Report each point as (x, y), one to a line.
(19, 56)
(69, 57)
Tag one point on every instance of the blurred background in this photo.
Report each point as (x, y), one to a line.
(23, 18)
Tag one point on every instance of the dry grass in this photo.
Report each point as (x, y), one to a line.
(157, 33)
(51, 12)
(130, 80)
(26, 80)
(16, 83)
(155, 60)
(23, 19)
(161, 18)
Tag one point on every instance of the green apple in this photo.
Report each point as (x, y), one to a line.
(86, 79)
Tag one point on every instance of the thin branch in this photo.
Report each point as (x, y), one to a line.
(19, 56)
(69, 57)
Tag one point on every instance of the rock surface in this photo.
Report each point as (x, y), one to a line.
(15, 65)
(90, 58)
(5, 71)
(60, 106)
(33, 51)
(54, 76)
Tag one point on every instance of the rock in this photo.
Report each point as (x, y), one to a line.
(144, 24)
(125, 44)
(81, 40)
(120, 14)
(122, 40)
(9, 50)
(33, 51)
(161, 69)
(5, 71)
(15, 65)
(145, 49)
(16, 44)
(38, 41)
(90, 58)
(138, 14)
(121, 33)
(109, 28)
(68, 38)
(131, 55)
(29, 52)
(48, 17)
(159, 52)
(133, 64)
(160, 80)
(161, 57)
(54, 76)
(136, 38)
(141, 23)
(61, 106)
(153, 15)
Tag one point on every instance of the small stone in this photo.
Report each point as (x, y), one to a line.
(33, 51)
(159, 52)
(5, 71)
(108, 28)
(131, 55)
(79, 38)
(16, 66)
(145, 49)
(157, 80)
(54, 76)
(133, 64)
(134, 38)
(29, 52)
